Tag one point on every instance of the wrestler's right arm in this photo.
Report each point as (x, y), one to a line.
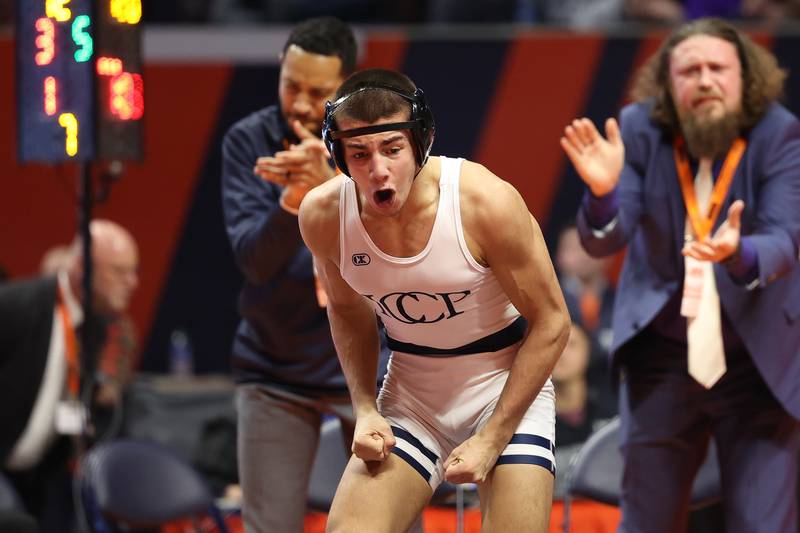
(352, 319)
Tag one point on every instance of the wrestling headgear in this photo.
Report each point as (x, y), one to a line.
(420, 123)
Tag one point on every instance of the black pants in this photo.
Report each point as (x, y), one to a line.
(667, 421)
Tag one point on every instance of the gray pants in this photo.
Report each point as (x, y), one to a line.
(278, 434)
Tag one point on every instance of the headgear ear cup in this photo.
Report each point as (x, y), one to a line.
(422, 131)
(426, 131)
(328, 127)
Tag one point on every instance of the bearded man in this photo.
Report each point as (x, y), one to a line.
(707, 315)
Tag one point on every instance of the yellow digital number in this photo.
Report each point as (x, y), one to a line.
(55, 10)
(126, 11)
(70, 124)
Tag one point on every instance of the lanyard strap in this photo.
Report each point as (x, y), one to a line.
(703, 223)
(70, 348)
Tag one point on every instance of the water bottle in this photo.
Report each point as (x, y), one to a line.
(181, 358)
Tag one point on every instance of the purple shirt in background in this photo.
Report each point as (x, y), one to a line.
(713, 8)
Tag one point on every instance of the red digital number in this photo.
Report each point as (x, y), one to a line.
(109, 66)
(50, 96)
(126, 96)
(45, 41)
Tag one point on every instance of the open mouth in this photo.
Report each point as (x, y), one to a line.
(384, 196)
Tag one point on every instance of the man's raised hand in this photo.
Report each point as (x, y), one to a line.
(597, 160)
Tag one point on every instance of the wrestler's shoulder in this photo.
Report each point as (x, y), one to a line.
(480, 185)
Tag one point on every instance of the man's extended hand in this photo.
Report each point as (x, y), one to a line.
(725, 240)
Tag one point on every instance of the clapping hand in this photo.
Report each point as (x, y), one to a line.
(300, 168)
(725, 240)
(597, 160)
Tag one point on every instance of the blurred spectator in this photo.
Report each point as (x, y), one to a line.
(576, 403)
(292, 11)
(676, 11)
(41, 370)
(118, 361)
(458, 11)
(570, 13)
(352, 11)
(663, 11)
(54, 259)
(3, 274)
(177, 11)
(578, 407)
(118, 357)
(584, 280)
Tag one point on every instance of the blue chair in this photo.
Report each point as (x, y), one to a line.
(138, 484)
(595, 473)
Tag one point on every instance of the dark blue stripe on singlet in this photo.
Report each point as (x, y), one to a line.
(413, 462)
(536, 440)
(412, 440)
(498, 340)
(526, 460)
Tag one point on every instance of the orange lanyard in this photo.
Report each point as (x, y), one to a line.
(70, 349)
(702, 224)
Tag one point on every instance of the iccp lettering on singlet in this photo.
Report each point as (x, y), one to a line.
(417, 307)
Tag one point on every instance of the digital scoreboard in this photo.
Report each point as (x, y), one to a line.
(80, 92)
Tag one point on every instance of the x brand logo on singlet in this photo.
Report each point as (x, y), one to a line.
(361, 259)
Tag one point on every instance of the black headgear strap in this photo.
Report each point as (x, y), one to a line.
(379, 128)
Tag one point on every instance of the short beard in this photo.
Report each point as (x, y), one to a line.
(707, 137)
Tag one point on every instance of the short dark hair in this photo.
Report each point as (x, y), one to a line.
(373, 94)
(762, 79)
(373, 105)
(327, 36)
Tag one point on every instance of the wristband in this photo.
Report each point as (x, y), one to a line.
(291, 198)
(286, 207)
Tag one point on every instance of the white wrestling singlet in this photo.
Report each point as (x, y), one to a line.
(453, 333)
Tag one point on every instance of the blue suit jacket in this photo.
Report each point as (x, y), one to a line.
(651, 221)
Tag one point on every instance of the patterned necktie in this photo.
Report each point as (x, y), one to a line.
(704, 330)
